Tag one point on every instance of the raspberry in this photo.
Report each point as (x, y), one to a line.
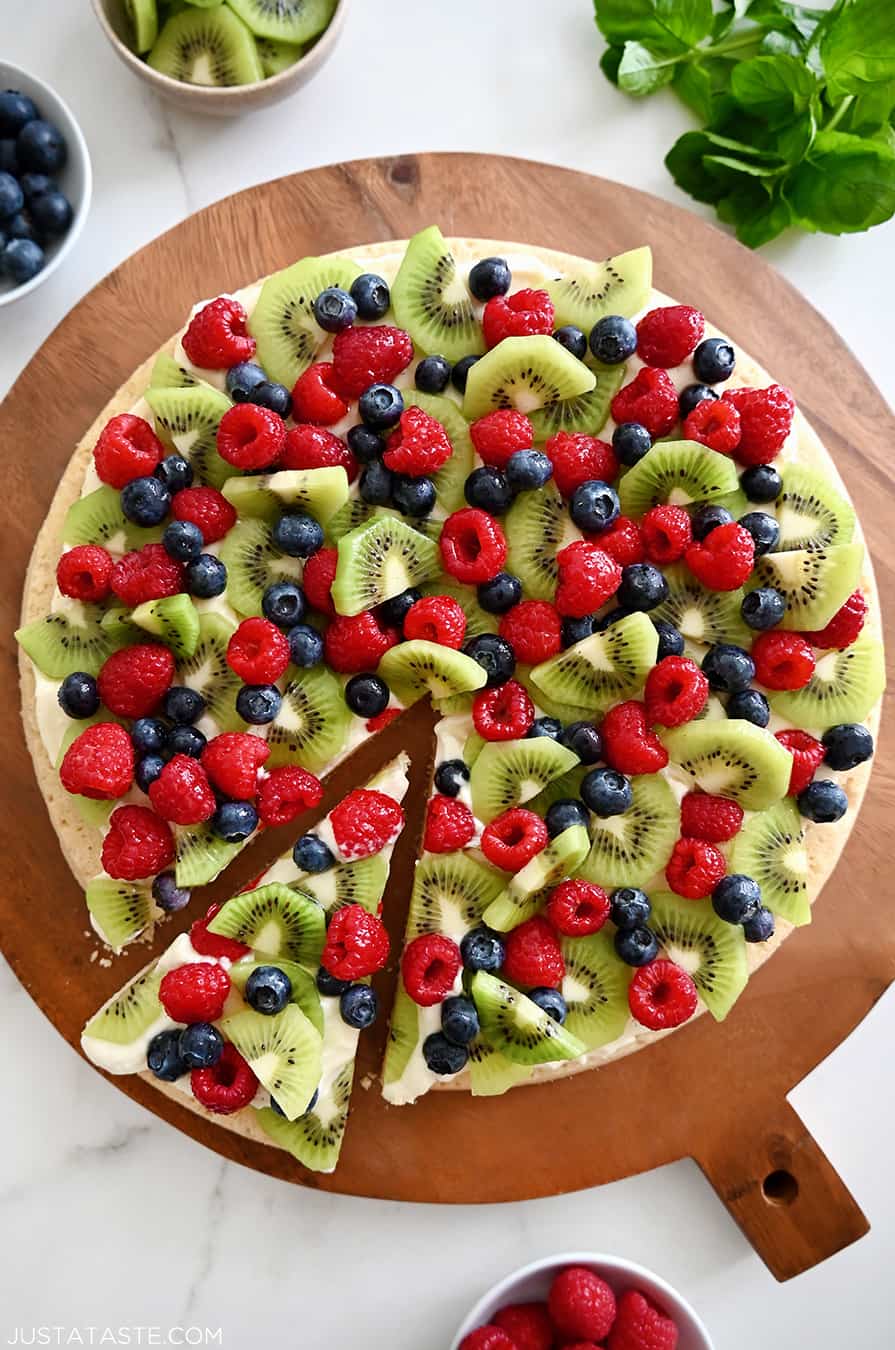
(138, 844)
(227, 1086)
(356, 944)
(582, 1306)
(356, 643)
(429, 968)
(258, 651)
(714, 423)
(488, 1338)
(782, 660)
(629, 745)
(195, 993)
(765, 421)
(251, 437)
(85, 573)
(694, 868)
(449, 824)
(666, 534)
(207, 508)
(315, 400)
(667, 336)
(661, 995)
(716, 819)
(676, 691)
(724, 558)
(650, 399)
(640, 1326)
(146, 573)
(309, 447)
(533, 629)
(521, 315)
(844, 626)
(512, 840)
(127, 448)
(576, 458)
(232, 761)
(132, 681)
(181, 793)
(807, 755)
(436, 618)
(473, 546)
(499, 434)
(528, 1325)
(381, 720)
(504, 713)
(623, 541)
(285, 792)
(577, 908)
(588, 576)
(532, 955)
(364, 822)
(419, 445)
(216, 338)
(317, 578)
(99, 763)
(365, 356)
(212, 944)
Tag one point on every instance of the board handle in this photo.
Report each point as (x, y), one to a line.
(783, 1191)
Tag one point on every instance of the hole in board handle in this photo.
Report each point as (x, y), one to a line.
(780, 1187)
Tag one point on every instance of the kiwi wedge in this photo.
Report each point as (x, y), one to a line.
(378, 561)
(537, 526)
(97, 518)
(587, 412)
(117, 623)
(316, 492)
(619, 285)
(351, 883)
(284, 1051)
(595, 989)
(207, 671)
(451, 892)
(810, 512)
(142, 16)
(282, 323)
(704, 617)
(770, 848)
(187, 419)
(121, 910)
(432, 302)
(356, 512)
(712, 951)
(285, 20)
(518, 1028)
(276, 921)
(845, 687)
(174, 620)
(605, 668)
(412, 669)
(207, 47)
(314, 1139)
(277, 56)
(566, 712)
(732, 759)
(478, 620)
(63, 643)
(130, 1012)
(528, 889)
(310, 727)
(679, 472)
(452, 475)
(565, 788)
(508, 773)
(524, 373)
(200, 855)
(403, 1036)
(169, 374)
(253, 563)
(629, 850)
(304, 986)
(814, 582)
(491, 1073)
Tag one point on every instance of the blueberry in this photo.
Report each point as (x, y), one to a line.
(490, 277)
(147, 770)
(413, 496)
(16, 110)
(460, 372)
(822, 801)
(545, 726)
(21, 260)
(584, 740)
(330, 985)
(736, 898)
(380, 406)
(334, 309)
(52, 214)
(432, 375)
(643, 587)
(393, 612)
(495, 655)
(847, 745)
(8, 160)
(728, 668)
(605, 621)
(572, 339)
(565, 813)
(12, 198)
(527, 470)
(707, 518)
(268, 990)
(450, 776)
(206, 577)
(636, 946)
(594, 506)
(258, 704)
(184, 740)
(365, 445)
(275, 397)
(763, 609)
(375, 484)
(442, 1057)
(482, 949)
(500, 593)
(671, 642)
(459, 1020)
(305, 646)
(182, 539)
(367, 695)
(284, 604)
(78, 695)
(145, 501)
(234, 821)
(297, 535)
(761, 483)
(714, 360)
(370, 295)
(760, 927)
(764, 530)
(41, 147)
(629, 907)
(168, 895)
(35, 185)
(148, 736)
(692, 396)
(613, 339)
(183, 705)
(487, 488)
(630, 441)
(310, 854)
(551, 1002)
(163, 1056)
(175, 472)
(606, 792)
(359, 1006)
(750, 705)
(201, 1045)
(242, 380)
(20, 227)
(576, 630)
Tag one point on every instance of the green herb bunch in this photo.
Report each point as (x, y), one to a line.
(797, 104)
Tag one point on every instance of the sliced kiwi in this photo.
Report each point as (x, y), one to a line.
(63, 643)
(284, 1051)
(403, 1035)
(207, 671)
(473, 747)
(814, 582)
(412, 669)
(282, 322)
(277, 56)
(97, 518)
(732, 759)
(130, 1013)
(620, 285)
(587, 412)
(563, 789)
(712, 951)
(478, 620)
(174, 619)
(207, 47)
(450, 478)
(378, 561)
(451, 892)
(605, 668)
(275, 920)
(810, 512)
(679, 472)
(187, 419)
(315, 1139)
(537, 526)
(770, 848)
(704, 617)
(432, 302)
(142, 16)
(122, 910)
(628, 850)
(525, 373)
(508, 773)
(518, 1028)
(528, 889)
(491, 1073)
(117, 623)
(315, 492)
(200, 856)
(310, 727)
(304, 986)
(566, 712)
(356, 512)
(351, 883)
(285, 20)
(595, 989)
(253, 563)
(169, 374)
(845, 687)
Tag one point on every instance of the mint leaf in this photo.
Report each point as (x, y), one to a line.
(758, 214)
(847, 183)
(858, 47)
(642, 71)
(702, 86)
(773, 87)
(669, 25)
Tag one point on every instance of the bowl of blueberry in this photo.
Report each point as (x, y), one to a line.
(45, 182)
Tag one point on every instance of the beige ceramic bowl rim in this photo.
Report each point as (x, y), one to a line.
(231, 93)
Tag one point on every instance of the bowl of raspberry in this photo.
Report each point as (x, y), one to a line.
(582, 1300)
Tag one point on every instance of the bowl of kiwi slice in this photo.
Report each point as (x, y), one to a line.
(222, 58)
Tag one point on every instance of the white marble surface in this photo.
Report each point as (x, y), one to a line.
(109, 1217)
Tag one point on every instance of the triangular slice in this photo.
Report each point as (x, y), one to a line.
(604, 669)
(619, 285)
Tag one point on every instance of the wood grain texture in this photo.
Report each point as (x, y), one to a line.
(734, 1119)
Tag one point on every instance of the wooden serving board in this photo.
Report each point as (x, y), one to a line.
(715, 1093)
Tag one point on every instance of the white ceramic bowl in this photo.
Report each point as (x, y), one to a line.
(532, 1283)
(75, 180)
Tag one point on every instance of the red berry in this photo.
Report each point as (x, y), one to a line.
(365, 822)
(629, 744)
(765, 421)
(499, 434)
(473, 546)
(666, 336)
(146, 573)
(356, 944)
(577, 908)
(99, 763)
(576, 458)
(216, 338)
(533, 629)
(132, 681)
(309, 447)
(676, 691)
(181, 793)
(845, 625)
(365, 356)
(716, 819)
(195, 992)
(258, 651)
(666, 534)
(640, 1326)
(212, 944)
(429, 968)
(232, 761)
(138, 844)
(419, 445)
(436, 618)
(315, 400)
(356, 643)
(528, 1325)
(582, 1306)
(723, 560)
(662, 995)
(207, 508)
(251, 437)
(85, 573)
(227, 1086)
(782, 660)
(623, 541)
(714, 423)
(285, 792)
(317, 578)
(588, 577)
(512, 840)
(504, 713)
(449, 824)
(488, 1338)
(381, 720)
(650, 399)
(807, 755)
(533, 956)
(524, 314)
(127, 448)
(694, 868)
